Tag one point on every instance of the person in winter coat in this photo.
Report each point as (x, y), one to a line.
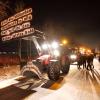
(79, 61)
(90, 65)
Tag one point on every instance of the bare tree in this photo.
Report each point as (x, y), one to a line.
(4, 9)
(19, 6)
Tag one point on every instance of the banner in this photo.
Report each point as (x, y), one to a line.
(17, 26)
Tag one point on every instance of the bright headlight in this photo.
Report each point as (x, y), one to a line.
(73, 56)
(44, 46)
(56, 53)
(54, 45)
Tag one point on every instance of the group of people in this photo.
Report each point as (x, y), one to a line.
(85, 60)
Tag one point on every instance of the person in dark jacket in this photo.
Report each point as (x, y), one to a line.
(79, 61)
(84, 58)
(90, 65)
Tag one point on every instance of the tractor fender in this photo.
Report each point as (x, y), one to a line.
(33, 68)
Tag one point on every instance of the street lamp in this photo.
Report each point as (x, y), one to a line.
(64, 42)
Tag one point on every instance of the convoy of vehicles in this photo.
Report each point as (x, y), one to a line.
(39, 56)
(46, 56)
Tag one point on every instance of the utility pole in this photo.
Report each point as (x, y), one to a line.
(19, 48)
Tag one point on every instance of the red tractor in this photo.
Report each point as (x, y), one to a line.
(44, 56)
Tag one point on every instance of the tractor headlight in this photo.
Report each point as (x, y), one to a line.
(44, 46)
(73, 56)
(56, 53)
(54, 45)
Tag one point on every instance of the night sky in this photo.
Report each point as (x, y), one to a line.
(75, 20)
(78, 20)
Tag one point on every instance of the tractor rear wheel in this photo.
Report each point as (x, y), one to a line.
(65, 65)
(54, 71)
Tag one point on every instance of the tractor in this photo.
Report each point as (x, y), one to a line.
(43, 57)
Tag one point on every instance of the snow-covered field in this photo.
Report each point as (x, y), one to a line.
(9, 72)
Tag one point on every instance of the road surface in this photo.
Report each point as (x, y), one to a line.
(77, 85)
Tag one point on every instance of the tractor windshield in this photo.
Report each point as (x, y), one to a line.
(43, 45)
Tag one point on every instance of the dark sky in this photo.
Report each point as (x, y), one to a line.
(74, 19)
(78, 20)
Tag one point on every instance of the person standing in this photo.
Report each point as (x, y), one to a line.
(79, 61)
(84, 58)
(90, 58)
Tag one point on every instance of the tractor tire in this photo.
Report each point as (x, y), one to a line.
(65, 65)
(65, 68)
(54, 71)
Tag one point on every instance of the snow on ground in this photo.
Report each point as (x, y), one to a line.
(96, 63)
(77, 85)
(84, 89)
(7, 72)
